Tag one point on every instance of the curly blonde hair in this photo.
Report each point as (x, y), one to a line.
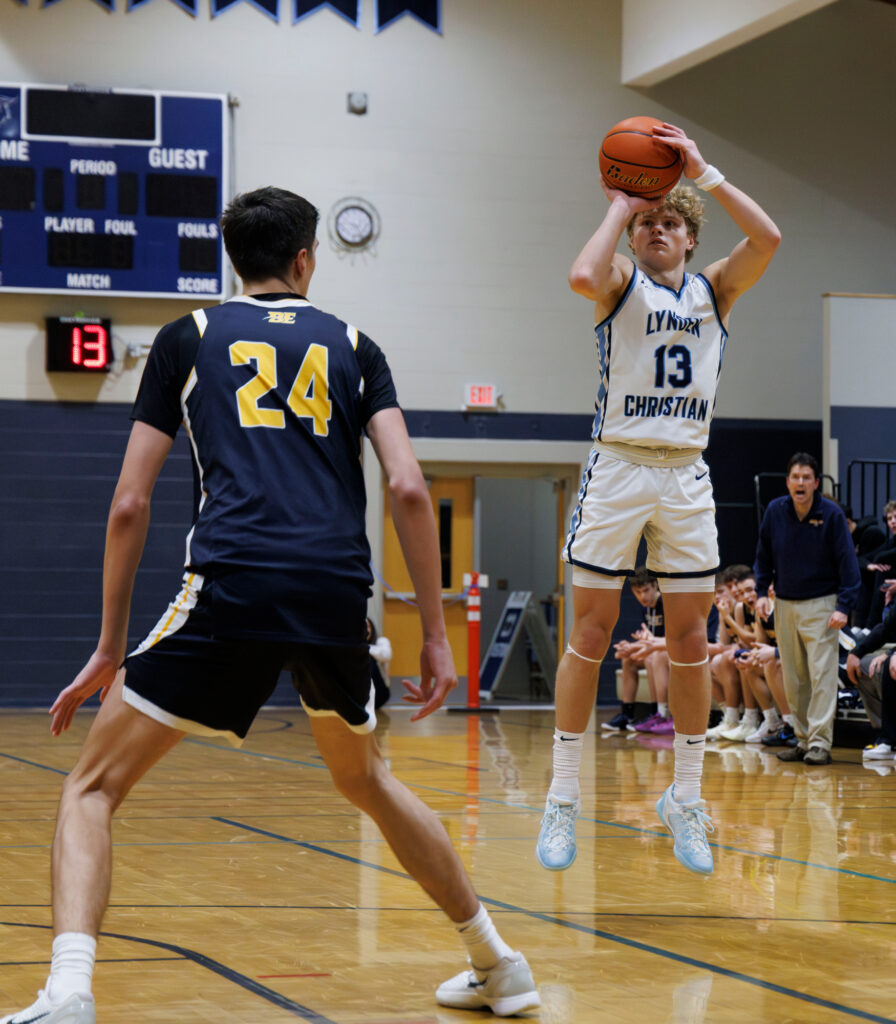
(685, 202)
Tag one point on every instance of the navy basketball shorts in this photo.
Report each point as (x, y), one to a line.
(671, 506)
(189, 678)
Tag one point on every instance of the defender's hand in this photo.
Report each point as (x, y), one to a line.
(98, 674)
(437, 679)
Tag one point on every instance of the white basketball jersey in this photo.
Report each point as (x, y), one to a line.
(660, 354)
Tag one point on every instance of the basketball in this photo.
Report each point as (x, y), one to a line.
(633, 161)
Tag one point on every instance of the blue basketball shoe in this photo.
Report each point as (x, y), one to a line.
(688, 824)
(556, 846)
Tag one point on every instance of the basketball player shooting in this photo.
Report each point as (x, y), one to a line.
(660, 335)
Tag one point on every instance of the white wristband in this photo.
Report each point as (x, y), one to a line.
(711, 178)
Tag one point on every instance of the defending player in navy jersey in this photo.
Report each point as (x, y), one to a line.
(661, 333)
(274, 395)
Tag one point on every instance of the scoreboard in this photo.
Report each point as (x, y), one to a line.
(112, 192)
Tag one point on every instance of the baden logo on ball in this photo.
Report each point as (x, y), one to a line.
(634, 161)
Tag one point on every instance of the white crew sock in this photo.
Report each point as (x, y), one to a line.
(71, 969)
(567, 759)
(485, 947)
(662, 709)
(731, 717)
(790, 720)
(751, 717)
(689, 751)
(771, 716)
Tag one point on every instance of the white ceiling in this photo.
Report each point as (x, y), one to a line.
(816, 98)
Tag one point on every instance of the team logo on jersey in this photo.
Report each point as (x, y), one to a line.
(669, 320)
(677, 406)
(281, 316)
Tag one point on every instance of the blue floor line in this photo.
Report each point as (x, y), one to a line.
(526, 807)
(609, 936)
(215, 967)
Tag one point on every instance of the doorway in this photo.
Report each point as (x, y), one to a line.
(452, 500)
(506, 523)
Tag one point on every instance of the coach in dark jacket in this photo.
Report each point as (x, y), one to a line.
(805, 549)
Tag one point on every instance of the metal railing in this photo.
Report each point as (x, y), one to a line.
(869, 485)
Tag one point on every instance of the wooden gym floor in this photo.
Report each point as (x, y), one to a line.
(246, 890)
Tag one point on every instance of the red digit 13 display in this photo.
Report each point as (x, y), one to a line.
(79, 344)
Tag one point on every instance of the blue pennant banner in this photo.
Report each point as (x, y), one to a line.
(107, 5)
(427, 11)
(348, 9)
(386, 12)
(268, 7)
(190, 6)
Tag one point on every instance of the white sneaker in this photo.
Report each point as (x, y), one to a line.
(739, 733)
(75, 1010)
(765, 729)
(715, 733)
(873, 752)
(507, 989)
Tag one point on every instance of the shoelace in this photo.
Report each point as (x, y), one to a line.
(561, 826)
(697, 823)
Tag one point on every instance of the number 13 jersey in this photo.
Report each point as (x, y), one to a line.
(660, 355)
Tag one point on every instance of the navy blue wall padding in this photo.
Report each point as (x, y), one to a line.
(59, 462)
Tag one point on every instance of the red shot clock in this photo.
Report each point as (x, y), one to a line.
(78, 344)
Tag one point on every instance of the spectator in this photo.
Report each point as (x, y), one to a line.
(805, 548)
(766, 658)
(725, 681)
(871, 668)
(752, 728)
(867, 533)
(874, 566)
(648, 648)
(883, 671)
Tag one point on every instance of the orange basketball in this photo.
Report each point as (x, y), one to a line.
(633, 161)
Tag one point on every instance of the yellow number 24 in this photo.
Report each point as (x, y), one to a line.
(309, 396)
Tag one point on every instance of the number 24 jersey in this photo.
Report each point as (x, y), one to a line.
(274, 395)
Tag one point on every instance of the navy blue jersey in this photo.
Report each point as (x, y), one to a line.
(274, 394)
(712, 625)
(653, 618)
(769, 626)
(749, 615)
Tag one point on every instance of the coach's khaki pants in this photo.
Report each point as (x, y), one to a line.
(808, 649)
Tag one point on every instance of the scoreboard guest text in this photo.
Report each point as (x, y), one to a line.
(114, 192)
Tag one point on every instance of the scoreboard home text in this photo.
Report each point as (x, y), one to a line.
(115, 192)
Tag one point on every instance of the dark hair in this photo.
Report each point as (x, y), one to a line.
(736, 573)
(804, 459)
(641, 577)
(265, 230)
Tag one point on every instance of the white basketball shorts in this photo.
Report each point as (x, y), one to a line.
(672, 506)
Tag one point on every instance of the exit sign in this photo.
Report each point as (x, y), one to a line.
(481, 396)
